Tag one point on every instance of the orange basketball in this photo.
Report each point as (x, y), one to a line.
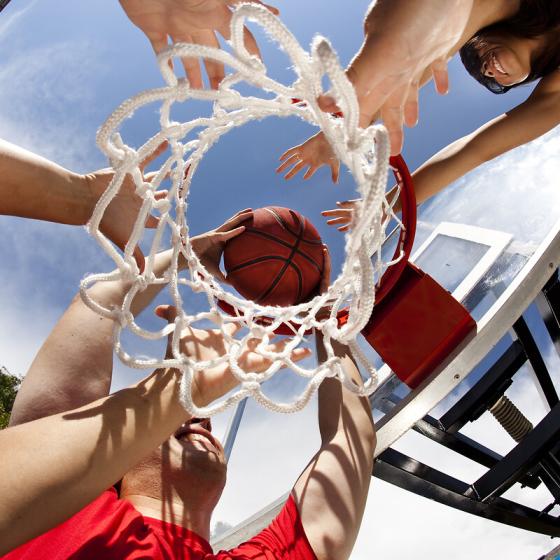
(277, 260)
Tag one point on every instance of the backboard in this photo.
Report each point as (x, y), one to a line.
(493, 241)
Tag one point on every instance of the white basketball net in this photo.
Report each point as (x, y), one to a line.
(364, 152)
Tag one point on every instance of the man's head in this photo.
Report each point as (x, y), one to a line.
(189, 468)
(516, 51)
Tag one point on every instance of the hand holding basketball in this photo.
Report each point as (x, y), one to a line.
(209, 246)
(279, 259)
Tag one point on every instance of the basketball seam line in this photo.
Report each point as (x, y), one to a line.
(270, 258)
(290, 257)
(281, 221)
(249, 229)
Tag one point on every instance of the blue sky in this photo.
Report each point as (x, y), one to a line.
(66, 65)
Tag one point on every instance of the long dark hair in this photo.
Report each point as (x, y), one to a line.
(535, 18)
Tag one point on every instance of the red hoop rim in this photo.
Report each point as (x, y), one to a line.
(404, 245)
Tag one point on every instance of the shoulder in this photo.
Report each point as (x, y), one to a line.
(549, 84)
(283, 539)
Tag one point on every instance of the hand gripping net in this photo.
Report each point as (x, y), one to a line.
(364, 152)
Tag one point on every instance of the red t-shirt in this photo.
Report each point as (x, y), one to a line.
(110, 528)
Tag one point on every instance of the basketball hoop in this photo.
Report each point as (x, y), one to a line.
(364, 152)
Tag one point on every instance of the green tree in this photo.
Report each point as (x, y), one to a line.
(9, 385)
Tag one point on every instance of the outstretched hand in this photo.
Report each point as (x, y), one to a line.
(342, 216)
(203, 345)
(121, 214)
(209, 246)
(313, 154)
(190, 21)
(404, 42)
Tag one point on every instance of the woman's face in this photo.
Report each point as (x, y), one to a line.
(505, 58)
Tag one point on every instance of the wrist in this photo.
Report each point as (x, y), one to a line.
(86, 194)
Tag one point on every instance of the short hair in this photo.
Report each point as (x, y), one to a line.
(535, 18)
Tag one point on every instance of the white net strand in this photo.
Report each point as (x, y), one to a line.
(364, 152)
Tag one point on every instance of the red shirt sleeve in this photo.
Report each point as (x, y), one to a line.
(283, 539)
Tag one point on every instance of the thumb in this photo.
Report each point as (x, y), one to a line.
(166, 312)
(227, 235)
(139, 258)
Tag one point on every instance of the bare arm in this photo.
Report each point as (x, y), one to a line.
(539, 114)
(56, 465)
(34, 187)
(331, 493)
(74, 366)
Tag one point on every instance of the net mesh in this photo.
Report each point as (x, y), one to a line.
(365, 152)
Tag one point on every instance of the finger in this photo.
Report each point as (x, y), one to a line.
(235, 220)
(154, 155)
(166, 312)
(222, 237)
(348, 203)
(343, 220)
(300, 353)
(411, 106)
(335, 171)
(289, 153)
(327, 104)
(344, 229)
(295, 170)
(326, 276)
(441, 76)
(338, 213)
(232, 328)
(311, 171)
(288, 163)
(139, 258)
(393, 120)
(158, 41)
(214, 69)
(190, 64)
(251, 43)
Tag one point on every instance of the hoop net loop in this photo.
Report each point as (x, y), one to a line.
(364, 152)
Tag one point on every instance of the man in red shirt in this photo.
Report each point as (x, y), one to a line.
(168, 490)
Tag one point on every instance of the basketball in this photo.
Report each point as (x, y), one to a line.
(277, 260)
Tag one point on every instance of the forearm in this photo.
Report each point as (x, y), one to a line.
(331, 493)
(75, 364)
(64, 461)
(34, 187)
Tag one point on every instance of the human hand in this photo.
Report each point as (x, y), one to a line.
(401, 46)
(121, 214)
(209, 246)
(342, 216)
(313, 153)
(212, 383)
(190, 21)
